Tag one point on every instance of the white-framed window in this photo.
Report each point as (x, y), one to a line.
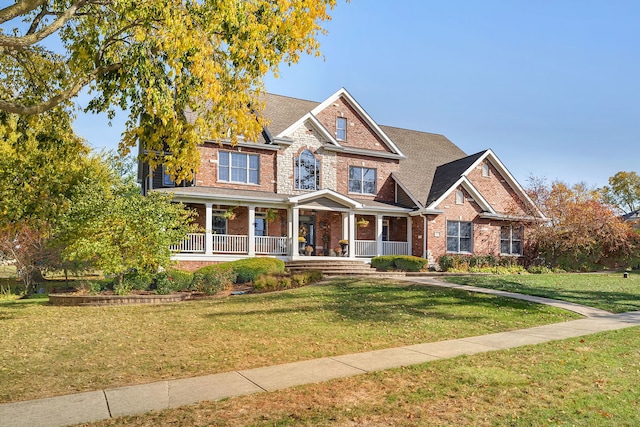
(459, 237)
(167, 181)
(511, 240)
(486, 171)
(341, 129)
(362, 180)
(459, 197)
(307, 171)
(238, 167)
(218, 224)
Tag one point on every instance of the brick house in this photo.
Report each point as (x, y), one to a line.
(325, 172)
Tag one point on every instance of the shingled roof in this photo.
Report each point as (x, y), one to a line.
(282, 111)
(425, 152)
(447, 174)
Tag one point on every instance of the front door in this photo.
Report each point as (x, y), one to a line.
(307, 229)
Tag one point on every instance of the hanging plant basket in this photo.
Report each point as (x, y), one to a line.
(362, 223)
(271, 215)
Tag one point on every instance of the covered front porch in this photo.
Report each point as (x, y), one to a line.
(319, 224)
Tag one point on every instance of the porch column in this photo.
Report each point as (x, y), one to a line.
(294, 227)
(208, 235)
(379, 249)
(409, 236)
(252, 231)
(345, 226)
(352, 234)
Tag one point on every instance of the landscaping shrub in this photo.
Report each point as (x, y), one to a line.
(398, 262)
(480, 264)
(539, 269)
(247, 270)
(214, 278)
(280, 281)
(180, 280)
(383, 263)
(163, 284)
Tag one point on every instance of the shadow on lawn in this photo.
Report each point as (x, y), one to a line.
(371, 301)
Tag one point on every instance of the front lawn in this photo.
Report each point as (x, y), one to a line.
(587, 381)
(610, 292)
(47, 350)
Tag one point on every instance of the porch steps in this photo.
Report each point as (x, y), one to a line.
(337, 267)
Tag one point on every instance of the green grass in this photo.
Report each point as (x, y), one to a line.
(611, 292)
(588, 381)
(47, 350)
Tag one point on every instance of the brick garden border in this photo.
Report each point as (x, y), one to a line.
(84, 300)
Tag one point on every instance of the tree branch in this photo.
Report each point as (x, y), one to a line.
(19, 8)
(70, 92)
(30, 39)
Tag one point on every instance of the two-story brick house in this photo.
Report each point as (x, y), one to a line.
(324, 172)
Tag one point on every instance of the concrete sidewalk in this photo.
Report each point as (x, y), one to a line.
(99, 405)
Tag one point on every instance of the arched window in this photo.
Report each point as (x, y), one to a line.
(307, 174)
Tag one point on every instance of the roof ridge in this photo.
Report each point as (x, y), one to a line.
(413, 130)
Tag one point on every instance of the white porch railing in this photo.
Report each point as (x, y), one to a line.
(193, 243)
(395, 248)
(369, 248)
(230, 244)
(267, 245)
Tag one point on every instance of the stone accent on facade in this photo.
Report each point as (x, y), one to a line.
(305, 138)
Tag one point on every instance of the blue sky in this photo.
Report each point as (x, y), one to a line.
(550, 86)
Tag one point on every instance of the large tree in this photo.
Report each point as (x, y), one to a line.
(583, 230)
(115, 229)
(623, 191)
(185, 69)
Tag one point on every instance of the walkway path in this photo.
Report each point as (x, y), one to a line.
(104, 404)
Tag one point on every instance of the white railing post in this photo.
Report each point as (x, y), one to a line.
(352, 234)
(208, 236)
(379, 249)
(252, 231)
(295, 230)
(409, 234)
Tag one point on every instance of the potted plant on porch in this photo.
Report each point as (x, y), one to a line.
(344, 244)
(302, 242)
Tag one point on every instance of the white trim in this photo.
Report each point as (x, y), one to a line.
(309, 117)
(473, 191)
(326, 193)
(405, 189)
(507, 175)
(342, 92)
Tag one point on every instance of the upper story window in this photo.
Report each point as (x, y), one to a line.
(459, 197)
(238, 167)
(459, 236)
(341, 129)
(362, 180)
(510, 240)
(486, 171)
(307, 171)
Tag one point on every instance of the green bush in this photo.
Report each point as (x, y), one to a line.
(539, 269)
(480, 264)
(398, 262)
(163, 284)
(280, 281)
(247, 270)
(214, 278)
(181, 280)
(383, 263)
